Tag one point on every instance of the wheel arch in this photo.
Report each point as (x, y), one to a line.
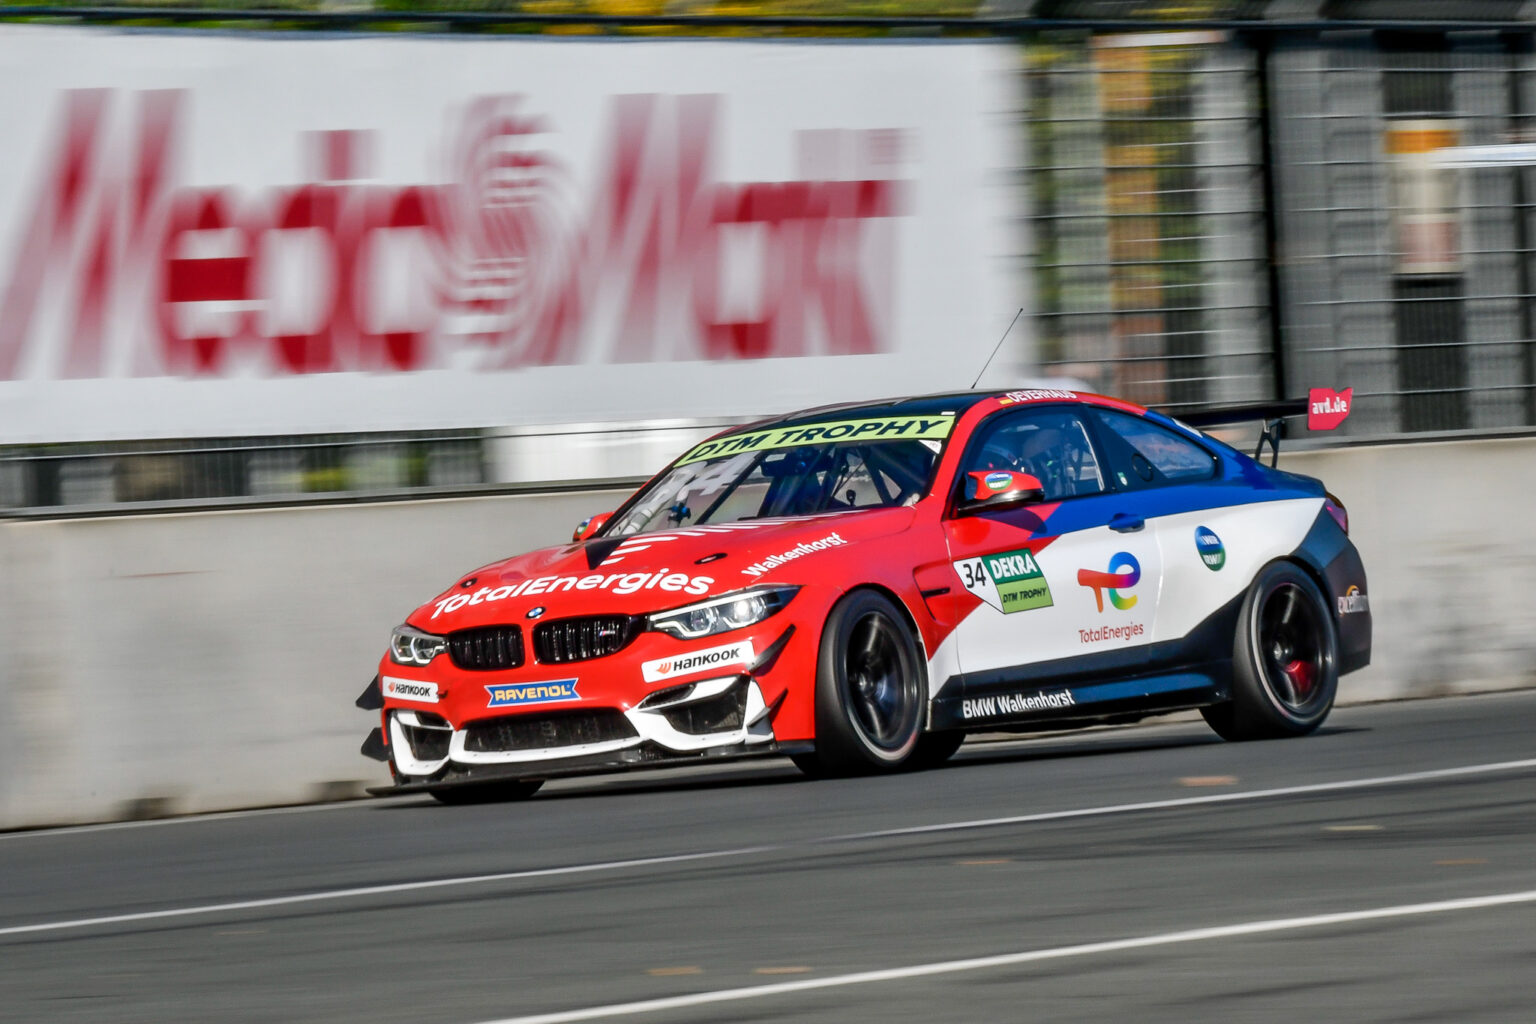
(1308, 564)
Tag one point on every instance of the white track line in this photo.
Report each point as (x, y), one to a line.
(189, 819)
(1011, 959)
(375, 890)
(1195, 801)
(620, 865)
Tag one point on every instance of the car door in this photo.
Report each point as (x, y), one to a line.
(1074, 576)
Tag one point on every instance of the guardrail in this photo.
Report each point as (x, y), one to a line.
(57, 481)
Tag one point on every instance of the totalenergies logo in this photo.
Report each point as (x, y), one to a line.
(1124, 573)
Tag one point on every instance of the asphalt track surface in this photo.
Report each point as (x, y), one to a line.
(1381, 870)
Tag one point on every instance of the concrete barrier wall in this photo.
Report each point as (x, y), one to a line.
(1449, 542)
(193, 662)
(162, 664)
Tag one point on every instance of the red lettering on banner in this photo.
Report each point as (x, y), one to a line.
(494, 269)
(48, 239)
(199, 293)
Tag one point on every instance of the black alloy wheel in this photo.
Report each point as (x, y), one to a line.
(871, 689)
(1285, 660)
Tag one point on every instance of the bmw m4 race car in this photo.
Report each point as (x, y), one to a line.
(858, 587)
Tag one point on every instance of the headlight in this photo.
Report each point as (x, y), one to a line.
(410, 646)
(720, 614)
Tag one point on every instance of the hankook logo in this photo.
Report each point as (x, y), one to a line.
(408, 689)
(730, 655)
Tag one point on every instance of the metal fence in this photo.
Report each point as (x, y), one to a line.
(1219, 211)
(1403, 273)
(1224, 217)
(1148, 214)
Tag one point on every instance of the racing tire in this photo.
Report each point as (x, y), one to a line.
(487, 792)
(870, 690)
(1285, 669)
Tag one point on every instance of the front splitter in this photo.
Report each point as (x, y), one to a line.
(645, 757)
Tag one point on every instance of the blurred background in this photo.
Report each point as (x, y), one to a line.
(1196, 203)
(306, 307)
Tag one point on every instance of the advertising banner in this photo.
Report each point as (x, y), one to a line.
(214, 235)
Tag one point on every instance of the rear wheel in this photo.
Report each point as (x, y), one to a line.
(869, 690)
(487, 792)
(1285, 660)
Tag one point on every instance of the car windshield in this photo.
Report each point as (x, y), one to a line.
(765, 474)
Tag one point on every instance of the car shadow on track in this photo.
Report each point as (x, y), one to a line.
(1058, 746)
(776, 772)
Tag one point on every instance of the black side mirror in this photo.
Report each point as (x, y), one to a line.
(590, 525)
(991, 490)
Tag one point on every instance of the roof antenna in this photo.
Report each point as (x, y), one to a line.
(996, 347)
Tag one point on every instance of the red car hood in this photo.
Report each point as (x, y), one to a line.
(651, 571)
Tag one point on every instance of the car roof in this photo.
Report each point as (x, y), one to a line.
(947, 403)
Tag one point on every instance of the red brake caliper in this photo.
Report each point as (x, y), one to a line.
(1300, 674)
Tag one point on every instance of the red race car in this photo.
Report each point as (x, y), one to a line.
(858, 587)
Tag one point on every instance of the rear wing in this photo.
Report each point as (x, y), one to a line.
(1324, 408)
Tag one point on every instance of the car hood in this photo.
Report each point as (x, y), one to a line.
(651, 571)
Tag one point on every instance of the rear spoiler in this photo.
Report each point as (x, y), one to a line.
(1324, 408)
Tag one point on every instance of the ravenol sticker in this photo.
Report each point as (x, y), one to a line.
(889, 428)
(661, 669)
(409, 689)
(997, 481)
(1010, 581)
(506, 695)
(1212, 552)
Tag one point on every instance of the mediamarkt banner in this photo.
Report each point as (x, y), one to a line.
(207, 235)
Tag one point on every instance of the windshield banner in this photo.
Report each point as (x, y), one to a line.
(891, 428)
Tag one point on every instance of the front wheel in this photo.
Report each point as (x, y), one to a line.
(1285, 660)
(870, 689)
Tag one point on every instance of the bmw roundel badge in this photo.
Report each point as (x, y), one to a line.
(534, 613)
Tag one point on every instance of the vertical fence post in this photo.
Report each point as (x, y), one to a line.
(1262, 43)
(1519, 48)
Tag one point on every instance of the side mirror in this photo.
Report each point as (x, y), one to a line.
(590, 525)
(991, 490)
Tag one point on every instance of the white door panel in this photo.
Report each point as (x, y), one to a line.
(1059, 601)
(1197, 580)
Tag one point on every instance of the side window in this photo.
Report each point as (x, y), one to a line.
(1048, 444)
(1145, 454)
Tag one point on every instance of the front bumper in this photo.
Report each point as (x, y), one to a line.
(717, 717)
